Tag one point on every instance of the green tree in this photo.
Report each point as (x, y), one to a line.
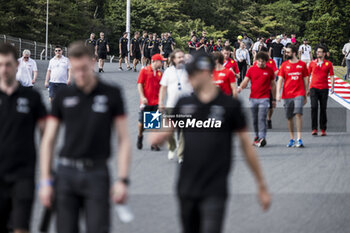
(329, 22)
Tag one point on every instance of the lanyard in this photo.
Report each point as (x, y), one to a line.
(179, 78)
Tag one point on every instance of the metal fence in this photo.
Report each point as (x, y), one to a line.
(37, 49)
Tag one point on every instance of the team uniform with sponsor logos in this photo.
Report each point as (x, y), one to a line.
(202, 50)
(217, 48)
(91, 44)
(293, 87)
(319, 72)
(82, 177)
(167, 47)
(19, 114)
(232, 64)
(102, 48)
(202, 188)
(124, 45)
(150, 80)
(223, 79)
(136, 48)
(272, 65)
(192, 50)
(155, 49)
(259, 99)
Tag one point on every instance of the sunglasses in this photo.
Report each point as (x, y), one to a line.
(25, 57)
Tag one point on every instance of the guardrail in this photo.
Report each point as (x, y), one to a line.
(37, 49)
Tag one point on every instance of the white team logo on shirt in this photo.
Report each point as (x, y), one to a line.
(299, 67)
(265, 73)
(221, 75)
(70, 102)
(100, 104)
(22, 105)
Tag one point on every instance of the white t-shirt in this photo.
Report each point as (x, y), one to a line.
(286, 41)
(305, 52)
(25, 71)
(59, 69)
(257, 44)
(177, 83)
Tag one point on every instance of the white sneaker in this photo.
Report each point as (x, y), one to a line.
(180, 160)
(171, 155)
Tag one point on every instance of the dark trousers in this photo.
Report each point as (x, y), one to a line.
(319, 96)
(16, 200)
(82, 190)
(202, 215)
(242, 66)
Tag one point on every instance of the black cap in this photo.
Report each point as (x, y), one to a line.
(200, 61)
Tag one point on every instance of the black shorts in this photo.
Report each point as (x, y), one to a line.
(136, 55)
(16, 201)
(147, 108)
(167, 54)
(123, 54)
(102, 55)
(54, 88)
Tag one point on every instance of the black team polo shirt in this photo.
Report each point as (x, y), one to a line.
(208, 152)
(88, 120)
(19, 114)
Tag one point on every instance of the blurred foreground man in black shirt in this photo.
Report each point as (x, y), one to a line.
(21, 110)
(88, 110)
(202, 184)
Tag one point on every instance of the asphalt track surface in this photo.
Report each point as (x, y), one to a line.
(310, 186)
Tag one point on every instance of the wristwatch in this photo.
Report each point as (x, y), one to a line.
(125, 181)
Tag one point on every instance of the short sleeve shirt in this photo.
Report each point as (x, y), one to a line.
(232, 64)
(25, 71)
(91, 43)
(293, 75)
(166, 43)
(271, 64)
(277, 49)
(88, 119)
(135, 45)
(177, 83)
(102, 45)
(305, 52)
(201, 49)
(150, 80)
(59, 69)
(124, 43)
(191, 50)
(319, 73)
(260, 79)
(19, 114)
(223, 79)
(208, 151)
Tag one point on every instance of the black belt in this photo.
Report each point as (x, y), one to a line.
(82, 164)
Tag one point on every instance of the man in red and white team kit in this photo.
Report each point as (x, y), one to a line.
(148, 85)
(319, 70)
(262, 79)
(271, 64)
(295, 75)
(229, 63)
(223, 77)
